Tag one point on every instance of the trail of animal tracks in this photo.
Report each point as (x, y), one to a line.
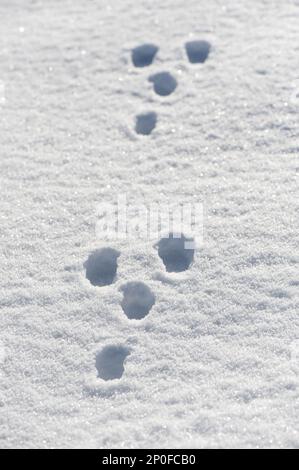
(148, 344)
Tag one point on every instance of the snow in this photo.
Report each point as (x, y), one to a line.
(214, 362)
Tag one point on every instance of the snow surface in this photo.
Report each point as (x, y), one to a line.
(214, 362)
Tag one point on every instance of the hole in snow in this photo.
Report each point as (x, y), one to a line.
(176, 252)
(164, 83)
(110, 362)
(144, 55)
(145, 123)
(137, 301)
(101, 266)
(197, 51)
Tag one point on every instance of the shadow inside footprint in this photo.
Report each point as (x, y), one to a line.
(197, 51)
(144, 55)
(101, 266)
(137, 301)
(110, 362)
(145, 123)
(176, 252)
(164, 83)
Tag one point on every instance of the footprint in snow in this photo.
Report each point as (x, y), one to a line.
(197, 51)
(164, 83)
(176, 252)
(143, 55)
(138, 300)
(110, 362)
(145, 123)
(101, 266)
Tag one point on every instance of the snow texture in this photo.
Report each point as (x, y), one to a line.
(214, 362)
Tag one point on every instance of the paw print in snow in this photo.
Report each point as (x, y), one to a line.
(177, 254)
(164, 83)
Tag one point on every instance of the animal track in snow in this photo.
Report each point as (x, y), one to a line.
(164, 83)
(143, 55)
(145, 123)
(138, 300)
(176, 252)
(110, 362)
(101, 266)
(197, 51)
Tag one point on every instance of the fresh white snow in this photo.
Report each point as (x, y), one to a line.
(146, 356)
